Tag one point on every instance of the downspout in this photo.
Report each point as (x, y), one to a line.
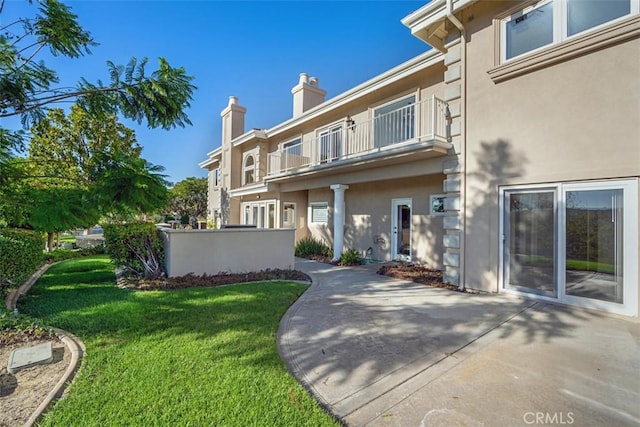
(463, 140)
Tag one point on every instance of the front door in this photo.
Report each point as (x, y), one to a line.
(401, 229)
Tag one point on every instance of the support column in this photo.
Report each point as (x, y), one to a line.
(338, 219)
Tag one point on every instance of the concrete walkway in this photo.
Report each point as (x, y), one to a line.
(377, 351)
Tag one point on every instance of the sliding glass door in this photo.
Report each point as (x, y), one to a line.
(574, 242)
(594, 243)
(529, 236)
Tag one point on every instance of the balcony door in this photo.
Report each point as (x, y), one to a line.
(394, 122)
(574, 242)
(330, 141)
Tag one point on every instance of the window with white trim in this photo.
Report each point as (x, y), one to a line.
(261, 214)
(249, 170)
(394, 122)
(293, 147)
(319, 213)
(292, 154)
(216, 177)
(552, 21)
(436, 204)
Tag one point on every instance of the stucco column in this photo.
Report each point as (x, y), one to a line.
(338, 219)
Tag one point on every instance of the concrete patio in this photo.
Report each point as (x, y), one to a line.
(378, 351)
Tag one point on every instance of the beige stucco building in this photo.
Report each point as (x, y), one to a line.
(507, 155)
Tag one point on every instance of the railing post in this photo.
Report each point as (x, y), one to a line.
(435, 116)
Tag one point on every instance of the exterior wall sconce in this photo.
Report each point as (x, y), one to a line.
(448, 119)
(351, 124)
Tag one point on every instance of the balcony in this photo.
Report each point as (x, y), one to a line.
(411, 126)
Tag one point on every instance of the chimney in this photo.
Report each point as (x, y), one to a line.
(306, 94)
(232, 120)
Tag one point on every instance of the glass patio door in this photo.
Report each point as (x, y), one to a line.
(594, 249)
(573, 242)
(529, 235)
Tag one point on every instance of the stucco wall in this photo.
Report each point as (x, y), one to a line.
(575, 120)
(368, 217)
(232, 251)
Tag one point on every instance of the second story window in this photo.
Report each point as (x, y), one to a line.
(249, 170)
(293, 147)
(292, 155)
(394, 122)
(216, 177)
(553, 21)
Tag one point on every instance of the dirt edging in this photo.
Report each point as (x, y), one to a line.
(75, 346)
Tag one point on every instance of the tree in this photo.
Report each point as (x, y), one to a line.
(44, 195)
(80, 169)
(189, 198)
(78, 147)
(27, 86)
(130, 187)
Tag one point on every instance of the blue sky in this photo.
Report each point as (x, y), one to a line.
(252, 50)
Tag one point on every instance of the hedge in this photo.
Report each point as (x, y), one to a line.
(21, 254)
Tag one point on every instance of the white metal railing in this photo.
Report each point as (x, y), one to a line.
(417, 122)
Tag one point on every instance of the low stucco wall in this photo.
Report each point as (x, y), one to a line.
(230, 251)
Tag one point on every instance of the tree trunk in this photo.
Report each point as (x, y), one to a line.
(49, 241)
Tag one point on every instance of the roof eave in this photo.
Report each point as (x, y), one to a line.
(411, 66)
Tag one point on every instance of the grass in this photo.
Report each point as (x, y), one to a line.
(194, 357)
(599, 267)
(572, 264)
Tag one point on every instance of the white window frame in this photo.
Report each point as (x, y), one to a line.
(329, 131)
(629, 307)
(417, 115)
(431, 200)
(291, 143)
(313, 205)
(216, 177)
(560, 26)
(261, 221)
(293, 163)
(253, 168)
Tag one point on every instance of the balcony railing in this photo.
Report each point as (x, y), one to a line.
(423, 121)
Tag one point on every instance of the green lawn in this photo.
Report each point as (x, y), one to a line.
(199, 357)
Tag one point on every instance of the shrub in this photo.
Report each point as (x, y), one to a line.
(22, 255)
(308, 247)
(64, 254)
(14, 328)
(136, 246)
(350, 257)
